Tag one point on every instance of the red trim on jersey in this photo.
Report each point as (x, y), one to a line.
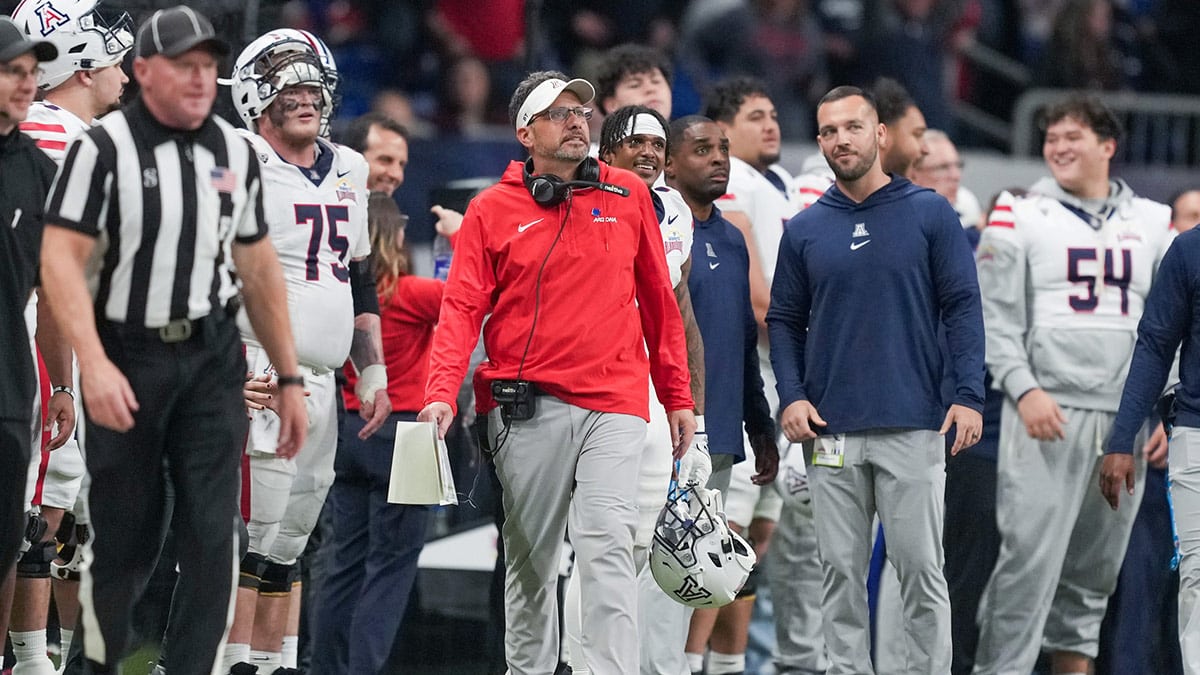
(1002, 223)
(246, 485)
(42, 126)
(46, 144)
(811, 191)
(44, 462)
(727, 195)
(1003, 207)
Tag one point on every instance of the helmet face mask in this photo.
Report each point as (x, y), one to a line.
(695, 558)
(85, 39)
(276, 61)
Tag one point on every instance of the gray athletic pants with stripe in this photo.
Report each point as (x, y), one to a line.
(901, 475)
(1061, 545)
(569, 470)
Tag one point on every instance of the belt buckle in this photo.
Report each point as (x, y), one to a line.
(177, 330)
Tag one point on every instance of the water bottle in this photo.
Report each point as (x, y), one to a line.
(442, 254)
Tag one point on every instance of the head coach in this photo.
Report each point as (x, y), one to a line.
(566, 255)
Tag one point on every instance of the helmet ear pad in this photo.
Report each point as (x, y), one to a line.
(549, 190)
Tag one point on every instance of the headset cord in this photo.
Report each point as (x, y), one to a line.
(537, 304)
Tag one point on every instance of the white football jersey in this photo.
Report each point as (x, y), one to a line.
(1063, 291)
(767, 208)
(676, 227)
(317, 221)
(52, 128)
(814, 182)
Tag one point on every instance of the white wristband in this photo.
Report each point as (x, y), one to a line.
(700, 424)
(370, 380)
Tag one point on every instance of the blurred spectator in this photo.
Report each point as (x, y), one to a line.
(791, 57)
(1185, 210)
(463, 102)
(909, 40)
(842, 24)
(493, 31)
(1037, 21)
(1080, 54)
(577, 30)
(941, 171)
(716, 41)
(396, 105)
(343, 25)
(1177, 21)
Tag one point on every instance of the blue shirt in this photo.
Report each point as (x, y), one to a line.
(858, 295)
(1171, 318)
(719, 283)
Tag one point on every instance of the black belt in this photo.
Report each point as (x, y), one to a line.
(182, 330)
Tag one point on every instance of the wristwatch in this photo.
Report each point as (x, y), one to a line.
(63, 389)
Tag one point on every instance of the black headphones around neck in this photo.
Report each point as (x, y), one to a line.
(549, 190)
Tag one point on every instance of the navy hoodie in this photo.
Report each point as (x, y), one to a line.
(733, 386)
(858, 294)
(1171, 318)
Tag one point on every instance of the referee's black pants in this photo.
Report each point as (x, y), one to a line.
(16, 442)
(192, 424)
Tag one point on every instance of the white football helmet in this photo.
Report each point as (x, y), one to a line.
(695, 558)
(279, 59)
(85, 39)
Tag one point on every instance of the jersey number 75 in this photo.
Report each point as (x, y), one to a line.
(316, 217)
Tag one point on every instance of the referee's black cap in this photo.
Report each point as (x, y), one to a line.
(14, 42)
(174, 31)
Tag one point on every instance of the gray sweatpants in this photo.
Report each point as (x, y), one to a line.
(569, 470)
(901, 476)
(1185, 497)
(796, 578)
(1061, 545)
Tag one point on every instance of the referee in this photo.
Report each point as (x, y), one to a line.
(154, 202)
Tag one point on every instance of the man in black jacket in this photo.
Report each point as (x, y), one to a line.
(23, 186)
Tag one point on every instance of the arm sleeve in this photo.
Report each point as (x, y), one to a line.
(755, 410)
(80, 191)
(466, 300)
(1167, 316)
(957, 287)
(362, 287)
(787, 319)
(1002, 268)
(662, 326)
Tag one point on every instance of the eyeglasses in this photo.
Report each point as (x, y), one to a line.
(561, 114)
(19, 73)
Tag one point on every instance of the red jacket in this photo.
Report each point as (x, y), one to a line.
(605, 300)
(407, 319)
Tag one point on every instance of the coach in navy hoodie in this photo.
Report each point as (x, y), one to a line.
(864, 278)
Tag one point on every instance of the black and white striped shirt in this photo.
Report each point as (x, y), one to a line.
(165, 206)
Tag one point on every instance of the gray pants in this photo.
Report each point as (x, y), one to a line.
(569, 470)
(901, 476)
(665, 623)
(1185, 496)
(795, 576)
(1061, 545)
